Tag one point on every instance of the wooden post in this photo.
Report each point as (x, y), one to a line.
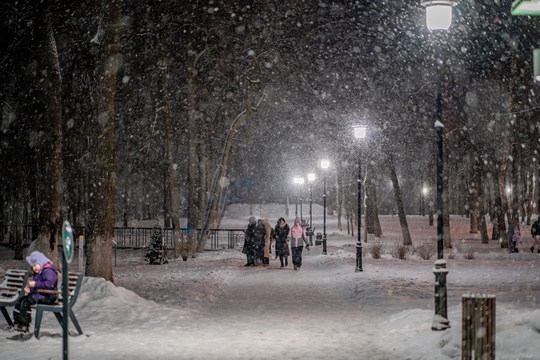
(478, 327)
(81, 254)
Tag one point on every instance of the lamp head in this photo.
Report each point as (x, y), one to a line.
(325, 164)
(360, 131)
(439, 14)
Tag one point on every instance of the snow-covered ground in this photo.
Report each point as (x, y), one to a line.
(212, 307)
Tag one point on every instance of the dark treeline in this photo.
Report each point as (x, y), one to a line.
(128, 109)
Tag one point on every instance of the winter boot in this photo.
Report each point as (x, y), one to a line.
(532, 249)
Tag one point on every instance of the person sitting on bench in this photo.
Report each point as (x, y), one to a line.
(45, 278)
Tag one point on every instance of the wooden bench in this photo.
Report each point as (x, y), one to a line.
(74, 284)
(11, 289)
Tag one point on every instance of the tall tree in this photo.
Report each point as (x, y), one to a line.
(399, 201)
(102, 200)
(50, 212)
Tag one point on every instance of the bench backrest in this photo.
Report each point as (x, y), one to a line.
(13, 284)
(74, 284)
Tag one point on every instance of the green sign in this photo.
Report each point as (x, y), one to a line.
(68, 242)
(526, 7)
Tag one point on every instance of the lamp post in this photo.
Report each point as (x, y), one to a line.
(359, 133)
(298, 181)
(325, 164)
(311, 177)
(439, 17)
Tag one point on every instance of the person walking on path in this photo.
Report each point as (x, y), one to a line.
(249, 242)
(282, 246)
(535, 232)
(267, 242)
(298, 238)
(45, 278)
(514, 237)
(260, 234)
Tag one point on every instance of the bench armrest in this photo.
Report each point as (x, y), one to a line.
(44, 291)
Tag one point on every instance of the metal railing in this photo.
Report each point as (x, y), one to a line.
(132, 237)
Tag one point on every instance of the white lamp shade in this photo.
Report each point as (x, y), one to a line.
(325, 164)
(311, 177)
(360, 131)
(299, 180)
(439, 14)
(536, 65)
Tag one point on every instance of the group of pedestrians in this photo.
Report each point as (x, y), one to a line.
(514, 236)
(260, 236)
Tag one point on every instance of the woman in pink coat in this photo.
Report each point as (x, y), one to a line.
(298, 238)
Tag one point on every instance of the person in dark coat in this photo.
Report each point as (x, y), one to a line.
(268, 238)
(260, 234)
(45, 278)
(282, 247)
(249, 242)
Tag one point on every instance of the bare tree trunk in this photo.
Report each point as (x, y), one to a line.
(218, 182)
(50, 219)
(399, 202)
(193, 169)
(171, 194)
(473, 195)
(17, 221)
(203, 172)
(373, 225)
(102, 200)
(479, 171)
(498, 206)
(339, 195)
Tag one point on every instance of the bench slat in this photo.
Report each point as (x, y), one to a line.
(11, 288)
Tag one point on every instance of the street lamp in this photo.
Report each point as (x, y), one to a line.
(325, 164)
(439, 17)
(311, 177)
(299, 181)
(359, 133)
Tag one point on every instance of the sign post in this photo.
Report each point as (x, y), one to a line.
(68, 244)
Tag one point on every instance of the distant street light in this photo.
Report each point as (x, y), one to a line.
(439, 17)
(298, 181)
(325, 164)
(359, 133)
(311, 177)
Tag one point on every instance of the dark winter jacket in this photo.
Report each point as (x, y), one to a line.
(47, 279)
(281, 233)
(249, 239)
(260, 234)
(535, 228)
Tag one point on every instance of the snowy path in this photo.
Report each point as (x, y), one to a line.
(269, 313)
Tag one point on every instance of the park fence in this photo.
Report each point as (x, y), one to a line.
(136, 238)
